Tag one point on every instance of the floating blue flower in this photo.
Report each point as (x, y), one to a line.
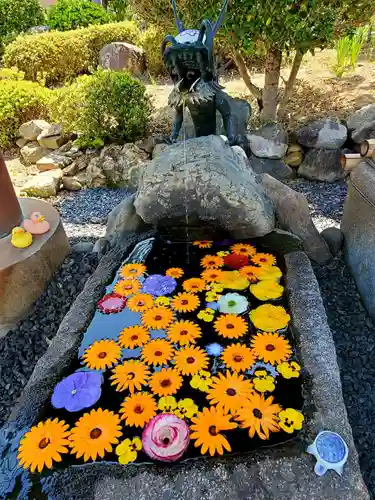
(263, 366)
(158, 285)
(78, 391)
(214, 349)
(212, 305)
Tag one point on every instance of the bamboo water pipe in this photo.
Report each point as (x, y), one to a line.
(368, 148)
(349, 161)
(10, 210)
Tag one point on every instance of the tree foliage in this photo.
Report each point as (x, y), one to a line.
(17, 16)
(67, 15)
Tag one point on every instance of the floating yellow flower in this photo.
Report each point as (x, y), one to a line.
(43, 444)
(127, 287)
(212, 296)
(229, 391)
(206, 315)
(185, 302)
(194, 285)
(138, 409)
(167, 404)
(127, 450)
(131, 375)
(289, 370)
(238, 357)
(291, 420)
(132, 270)
(163, 301)
(201, 381)
(223, 253)
(184, 332)
(271, 347)
(264, 259)
(243, 249)
(157, 318)
(166, 382)
(140, 302)
(269, 318)
(216, 287)
(190, 360)
(94, 434)
(102, 354)
(230, 326)
(157, 352)
(206, 430)
(263, 382)
(259, 415)
(203, 244)
(212, 275)
(212, 261)
(133, 336)
(186, 408)
(272, 273)
(267, 290)
(174, 272)
(233, 280)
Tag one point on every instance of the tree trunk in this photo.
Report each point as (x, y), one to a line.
(290, 83)
(271, 84)
(241, 66)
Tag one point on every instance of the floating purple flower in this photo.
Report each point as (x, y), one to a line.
(78, 391)
(212, 305)
(158, 285)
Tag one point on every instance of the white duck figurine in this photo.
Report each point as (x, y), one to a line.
(37, 224)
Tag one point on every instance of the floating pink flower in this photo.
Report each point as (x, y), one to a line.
(166, 438)
(111, 303)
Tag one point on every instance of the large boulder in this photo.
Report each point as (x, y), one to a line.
(30, 130)
(33, 152)
(293, 215)
(365, 114)
(365, 131)
(326, 134)
(270, 141)
(276, 168)
(206, 179)
(43, 185)
(121, 56)
(322, 165)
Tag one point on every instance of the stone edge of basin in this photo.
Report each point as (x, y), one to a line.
(283, 473)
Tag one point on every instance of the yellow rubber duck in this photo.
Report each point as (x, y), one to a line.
(21, 238)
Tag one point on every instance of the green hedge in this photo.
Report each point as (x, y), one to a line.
(60, 56)
(67, 15)
(20, 101)
(150, 41)
(107, 106)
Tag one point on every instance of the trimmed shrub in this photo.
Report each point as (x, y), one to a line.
(11, 74)
(67, 15)
(150, 41)
(20, 101)
(108, 106)
(60, 56)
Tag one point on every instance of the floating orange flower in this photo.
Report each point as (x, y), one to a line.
(127, 287)
(140, 302)
(157, 352)
(269, 318)
(264, 259)
(229, 391)
(194, 285)
(207, 427)
(184, 332)
(230, 326)
(212, 275)
(238, 357)
(132, 270)
(271, 347)
(102, 354)
(157, 318)
(251, 273)
(203, 244)
(133, 336)
(94, 434)
(243, 249)
(259, 415)
(185, 302)
(166, 382)
(138, 409)
(190, 360)
(174, 272)
(212, 261)
(131, 375)
(43, 444)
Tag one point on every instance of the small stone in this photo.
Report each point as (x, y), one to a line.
(95, 175)
(52, 130)
(83, 247)
(68, 146)
(365, 114)
(81, 177)
(270, 141)
(334, 239)
(147, 145)
(33, 152)
(21, 142)
(71, 170)
(159, 148)
(52, 142)
(43, 185)
(294, 158)
(53, 161)
(30, 130)
(276, 168)
(71, 184)
(322, 165)
(322, 134)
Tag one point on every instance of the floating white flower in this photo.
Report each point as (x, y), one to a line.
(233, 303)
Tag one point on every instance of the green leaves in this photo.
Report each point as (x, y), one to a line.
(72, 14)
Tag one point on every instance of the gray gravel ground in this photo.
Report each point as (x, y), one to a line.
(84, 214)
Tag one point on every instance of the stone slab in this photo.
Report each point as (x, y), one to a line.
(279, 473)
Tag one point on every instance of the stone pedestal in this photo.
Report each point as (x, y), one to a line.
(25, 272)
(358, 227)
